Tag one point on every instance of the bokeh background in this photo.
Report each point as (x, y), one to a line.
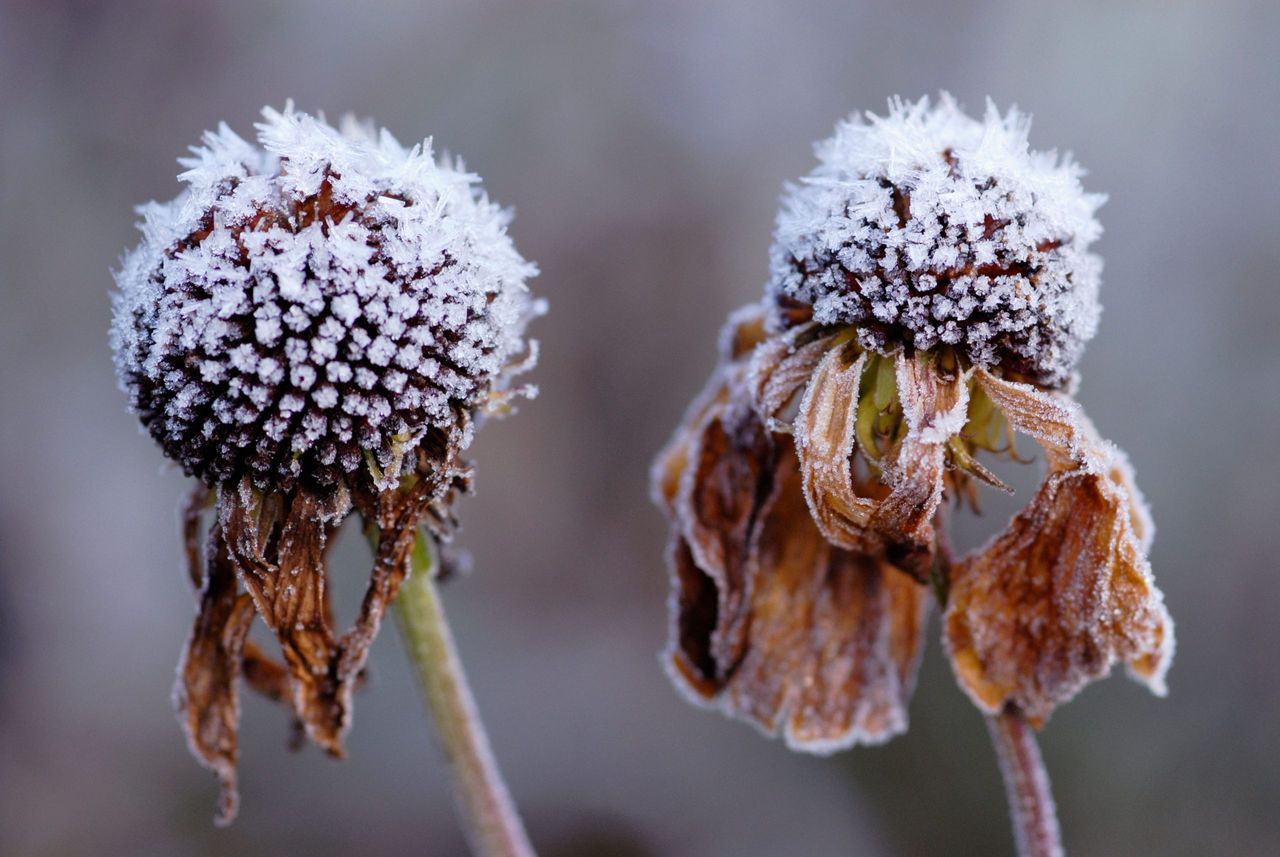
(644, 146)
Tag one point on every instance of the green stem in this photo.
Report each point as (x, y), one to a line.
(1026, 782)
(489, 817)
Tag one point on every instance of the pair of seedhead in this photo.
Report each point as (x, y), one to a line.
(316, 325)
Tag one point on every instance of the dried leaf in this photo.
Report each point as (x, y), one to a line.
(1055, 600)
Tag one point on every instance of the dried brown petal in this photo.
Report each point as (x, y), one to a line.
(694, 623)
(867, 637)
(831, 640)
(781, 368)
(1051, 418)
(400, 513)
(290, 596)
(206, 695)
(729, 482)
(824, 435)
(189, 515)
(265, 674)
(664, 477)
(742, 333)
(1057, 599)
(935, 407)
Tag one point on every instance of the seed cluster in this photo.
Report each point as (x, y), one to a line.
(927, 228)
(316, 306)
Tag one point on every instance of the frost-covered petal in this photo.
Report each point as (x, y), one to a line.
(1058, 598)
(824, 438)
(831, 638)
(741, 335)
(207, 694)
(291, 596)
(781, 368)
(934, 406)
(1050, 418)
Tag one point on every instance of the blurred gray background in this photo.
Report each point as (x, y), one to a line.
(644, 146)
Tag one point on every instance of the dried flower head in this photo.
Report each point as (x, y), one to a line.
(928, 228)
(930, 294)
(313, 325)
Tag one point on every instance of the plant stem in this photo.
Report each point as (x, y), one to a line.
(489, 817)
(1035, 821)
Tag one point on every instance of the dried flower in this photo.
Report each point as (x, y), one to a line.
(931, 292)
(312, 327)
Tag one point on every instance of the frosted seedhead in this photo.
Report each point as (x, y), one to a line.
(929, 228)
(317, 306)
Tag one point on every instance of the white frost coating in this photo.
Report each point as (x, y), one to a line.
(928, 227)
(285, 290)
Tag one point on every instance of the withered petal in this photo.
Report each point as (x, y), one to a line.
(694, 611)
(206, 694)
(741, 334)
(1053, 602)
(291, 597)
(935, 409)
(780, 369)
(831, 639)
(1050, 418)
(671, 462)
(825, 440)
(400, 514)
(192, 545)
(868, 625)
(729, 481)
(265, 674)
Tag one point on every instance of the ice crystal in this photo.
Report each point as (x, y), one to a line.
(322, 299)
(929, 228)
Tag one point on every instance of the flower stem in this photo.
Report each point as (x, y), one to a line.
(489, 817)
(1026, 782)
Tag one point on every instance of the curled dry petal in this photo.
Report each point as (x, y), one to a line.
(728, 483)
(400, 512)
(743, 332)
(206, 695)
(780, 368)
(664, 477)
(273, 546)
(801, 637)
(1066, 591)
(824, 439)
(934, 405)
(290, 595)
(1052, 419)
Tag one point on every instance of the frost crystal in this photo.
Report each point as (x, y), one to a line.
(314, 303)
(928, 228)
